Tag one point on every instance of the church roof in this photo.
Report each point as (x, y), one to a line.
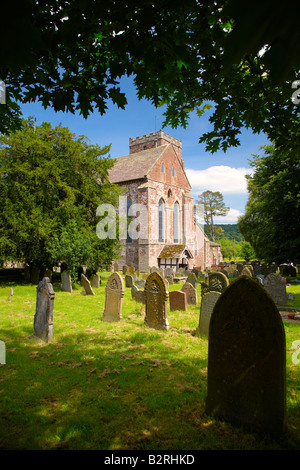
(174, 251)
(136, 165)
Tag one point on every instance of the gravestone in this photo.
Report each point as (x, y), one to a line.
(95, 280)
(116, 267)
(128, 280)
(177, 300)
(217, 282)
(66, 283)
(156, 297)
(191, 293)
(208, 302)
(2, 353)
(131, 270)
(192, 279)
(276, 287)
(260, 278)
(11, 293)
(140, 283)
(86, 285)
(246, 380)
(43, 318)
(134, 292)
(125, 269)
(114, 293)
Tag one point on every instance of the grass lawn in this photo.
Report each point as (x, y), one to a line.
(117, 385)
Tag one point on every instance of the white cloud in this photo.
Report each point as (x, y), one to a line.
(221, 178)
(230, 218)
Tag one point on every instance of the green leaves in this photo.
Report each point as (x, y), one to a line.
(51, 183)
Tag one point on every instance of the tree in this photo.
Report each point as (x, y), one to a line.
(271, 223)
(51, 183)
(247, 251)
(189, 56)
(213, 205)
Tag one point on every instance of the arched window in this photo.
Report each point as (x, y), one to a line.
(129, 217)
(176, 222)
(162, 168)
(161, 210)
(173, 171)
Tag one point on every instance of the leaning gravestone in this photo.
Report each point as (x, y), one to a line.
(114, 293)
(86, 285)
(246, 380)
(177, 300)
(276, 287)
(43, 318)
(192, 279)
(156, 297)
(66, 283)
(191, 293)
(208, 301)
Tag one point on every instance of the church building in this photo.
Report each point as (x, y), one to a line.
(158, 198)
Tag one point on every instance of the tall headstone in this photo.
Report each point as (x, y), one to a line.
(114, 293)
(208, 301)
(86, 285)
(191, 293)
(43, 318)
(177, 300)
(156, 292)
(116, 267)
(66, 283)
(246, 380)
(192, 279)
(276, 287)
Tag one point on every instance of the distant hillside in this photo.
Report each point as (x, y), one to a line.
(231, 232)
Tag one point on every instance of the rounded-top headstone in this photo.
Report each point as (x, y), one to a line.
(247, 359)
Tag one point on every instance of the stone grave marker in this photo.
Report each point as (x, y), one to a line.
(43, 318)
(2, 353)
(86, 285)
(246, 272)
(177, 300)
(114, 293)
(11, 293)
(191, 293)
(116, 267)
(125, 269)
(128, 280)
(156, 297)
(134, 292)
(66, 283)
(276, 287)
(140, 283)
(95, 280)
(131, 269)
(192, 279)
(217, 282)
(208, 301)
(246, 379)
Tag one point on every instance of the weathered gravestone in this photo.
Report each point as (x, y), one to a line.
(246, 380)
(11, 293)
(2, 353)
(276, 287)
(66, 283)
(140, 283)
(156, 292)
(95, 280)
(116, 267)
(43, 318)
(137, 294)
(114, 293)
(217, 282)
(208, 301)
(125, 269)
(191, 293)
(177, 300)
(86, 285)
(128, 280)
(192, 279)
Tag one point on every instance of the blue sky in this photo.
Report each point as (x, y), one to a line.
(221, 171)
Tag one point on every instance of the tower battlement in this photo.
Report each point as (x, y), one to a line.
(155, 139)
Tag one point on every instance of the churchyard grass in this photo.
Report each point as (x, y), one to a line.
(118, 385)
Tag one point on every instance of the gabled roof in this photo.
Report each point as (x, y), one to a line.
(174, 251)
(136, 165)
